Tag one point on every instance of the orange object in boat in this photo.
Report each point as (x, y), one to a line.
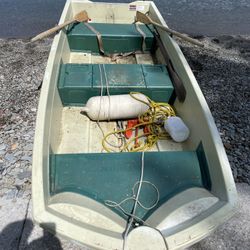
(130, 124)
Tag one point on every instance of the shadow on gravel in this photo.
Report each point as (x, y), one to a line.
(15, 236)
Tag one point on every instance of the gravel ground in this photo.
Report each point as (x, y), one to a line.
(21, 71)
(223, 74)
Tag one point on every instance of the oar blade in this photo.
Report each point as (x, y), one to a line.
(143, 18)
(81, 16)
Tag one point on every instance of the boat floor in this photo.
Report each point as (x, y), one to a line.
(138, 58)
(78, 134)
(81, 135)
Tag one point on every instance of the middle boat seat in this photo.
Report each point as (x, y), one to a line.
(78, 82)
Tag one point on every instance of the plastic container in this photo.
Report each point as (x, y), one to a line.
(176, 128)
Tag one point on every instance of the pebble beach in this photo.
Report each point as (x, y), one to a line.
(222, 72)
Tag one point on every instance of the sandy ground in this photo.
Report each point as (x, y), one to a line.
(223, 74)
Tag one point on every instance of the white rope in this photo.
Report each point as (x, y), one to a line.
(118, 205)
(132, 215)
(131, 219)
(107, 88)
(100, 105)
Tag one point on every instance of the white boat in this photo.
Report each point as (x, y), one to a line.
(72, 178)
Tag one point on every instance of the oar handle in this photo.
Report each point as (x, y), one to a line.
(51, 31)
(176, 33)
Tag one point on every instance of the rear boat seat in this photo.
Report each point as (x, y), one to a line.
(78, 82)
(116, 38)
(97, 175)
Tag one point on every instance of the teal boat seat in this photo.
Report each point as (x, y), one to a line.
(116, 38)
(111, 176)
(78, 82)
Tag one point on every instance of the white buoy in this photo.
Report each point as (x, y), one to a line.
(115, 107)
(176, 128)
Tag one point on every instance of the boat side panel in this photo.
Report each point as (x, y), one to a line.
(48, 122)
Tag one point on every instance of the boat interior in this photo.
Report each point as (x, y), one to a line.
(128, 58)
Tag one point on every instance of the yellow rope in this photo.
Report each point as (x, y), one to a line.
(153, 118)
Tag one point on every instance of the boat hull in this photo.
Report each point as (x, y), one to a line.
(86, 220)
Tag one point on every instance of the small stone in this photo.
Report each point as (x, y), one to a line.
(4, 172)
(216, 40)
(14, 146)
(4, 191)
(26, 193)
(28, 147)
(20, 194)
(11, 194)
(23, 175)
(29, 153)
(9, 132)
(227, 145)
(2, 146)
(27, 158)
(18, 153)
(10, 158)
(8, 170)
(19, 182)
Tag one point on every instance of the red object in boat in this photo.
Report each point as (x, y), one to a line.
(130, 124)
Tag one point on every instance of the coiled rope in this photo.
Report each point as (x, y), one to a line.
(153, 119)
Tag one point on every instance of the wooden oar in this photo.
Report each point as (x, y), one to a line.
(80, 17)
(143, 18)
